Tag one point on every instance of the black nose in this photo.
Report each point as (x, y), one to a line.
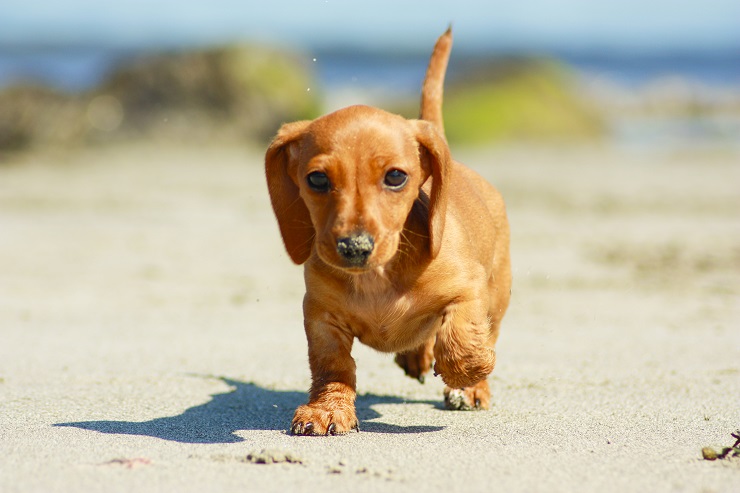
(355, 249)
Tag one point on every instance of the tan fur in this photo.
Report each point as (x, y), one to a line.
(437, 281)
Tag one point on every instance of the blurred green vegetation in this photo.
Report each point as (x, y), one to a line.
(515, 99)
(522, 100)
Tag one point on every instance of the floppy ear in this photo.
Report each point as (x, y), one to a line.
(291, 212)
(435, 158)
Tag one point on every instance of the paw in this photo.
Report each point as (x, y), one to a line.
(465, 370)
(418, 362)
(475, 398)
(312, 419)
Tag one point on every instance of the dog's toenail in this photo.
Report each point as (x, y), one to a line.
(421, 378)
(477, 403)
(356, 427)
(297, 429)
(308, 430)
(332, 429)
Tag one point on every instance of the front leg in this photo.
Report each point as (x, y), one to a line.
(462, 351)
(331, 404)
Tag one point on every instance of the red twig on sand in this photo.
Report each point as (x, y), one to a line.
(128, 463)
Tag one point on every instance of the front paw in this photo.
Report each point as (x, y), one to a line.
(464, 370)
(313, 419)
(475, 398)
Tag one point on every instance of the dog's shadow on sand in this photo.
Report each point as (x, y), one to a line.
(246, 406)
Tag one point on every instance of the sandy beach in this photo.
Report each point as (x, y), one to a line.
(151, 333)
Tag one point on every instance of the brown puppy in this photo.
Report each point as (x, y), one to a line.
(404, 249)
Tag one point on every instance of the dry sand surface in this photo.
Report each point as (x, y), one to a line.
(151, 333)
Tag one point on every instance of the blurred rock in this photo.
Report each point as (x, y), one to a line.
(236, 92)
(232, 93)
(33, 115)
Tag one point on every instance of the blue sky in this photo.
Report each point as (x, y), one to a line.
(624, 24)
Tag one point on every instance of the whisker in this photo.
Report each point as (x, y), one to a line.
(293, 203)
(407, 244)
(309, 240)
(420, 235)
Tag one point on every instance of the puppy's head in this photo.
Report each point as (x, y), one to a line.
(344, 185)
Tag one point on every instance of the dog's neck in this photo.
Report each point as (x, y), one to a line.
(372, 283)
(412, 255)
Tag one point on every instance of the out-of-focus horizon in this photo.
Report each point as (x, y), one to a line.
(532, 25)
(575, 67)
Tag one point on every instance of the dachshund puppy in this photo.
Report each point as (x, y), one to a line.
(404, 249)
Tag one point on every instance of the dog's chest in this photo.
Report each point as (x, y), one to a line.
(389, 322)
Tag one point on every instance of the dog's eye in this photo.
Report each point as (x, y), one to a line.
(395, 179)
(318, 181)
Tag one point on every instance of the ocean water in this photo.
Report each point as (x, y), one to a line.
(80, 68)
(72, 69)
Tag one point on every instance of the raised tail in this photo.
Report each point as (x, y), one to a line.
(433, 88)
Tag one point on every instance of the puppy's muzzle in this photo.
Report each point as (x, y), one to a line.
(356, 249)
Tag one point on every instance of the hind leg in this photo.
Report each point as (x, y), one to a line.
(417, 362)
